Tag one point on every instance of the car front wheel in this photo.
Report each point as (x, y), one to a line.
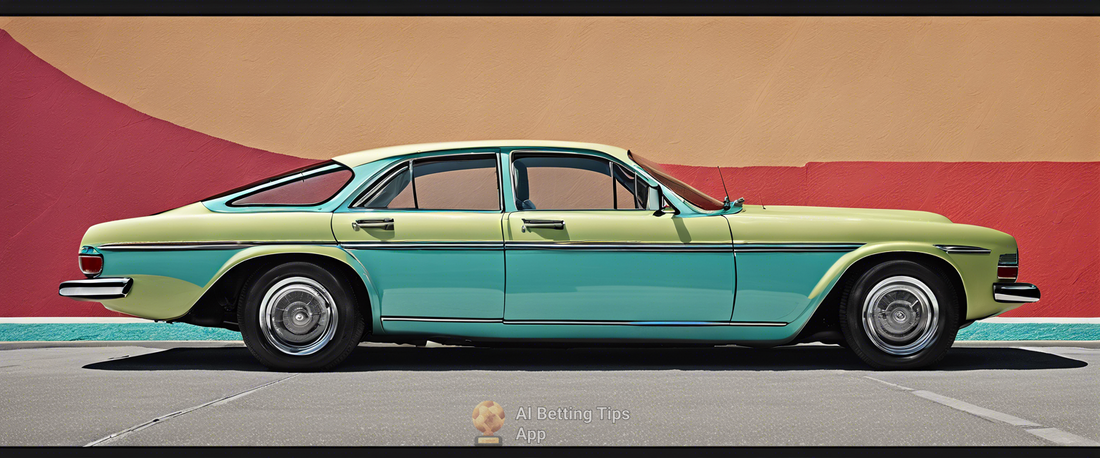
(900, 315)
(299, 316)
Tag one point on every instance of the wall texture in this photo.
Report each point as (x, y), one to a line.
(701, 91)
(74, 158)
(991, 121)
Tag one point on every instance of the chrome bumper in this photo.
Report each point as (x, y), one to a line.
(96, 288)
(1015, 292)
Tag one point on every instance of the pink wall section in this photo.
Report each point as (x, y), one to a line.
(74, 158)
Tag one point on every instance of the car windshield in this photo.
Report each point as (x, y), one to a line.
(690, 194)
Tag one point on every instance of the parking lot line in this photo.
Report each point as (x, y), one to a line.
(888, 383)
(1061, 437)
(163, 418)
(973, 409)
(1051, 434)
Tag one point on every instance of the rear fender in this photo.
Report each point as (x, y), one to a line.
(172, 295)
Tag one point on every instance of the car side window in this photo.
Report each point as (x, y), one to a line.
(394, 192)
(468, 182)
(574, 182)
(312, 189)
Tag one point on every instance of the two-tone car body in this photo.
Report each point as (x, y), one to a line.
(533, 241)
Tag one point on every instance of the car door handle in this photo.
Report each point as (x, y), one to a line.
(381, 223)
(542, 224)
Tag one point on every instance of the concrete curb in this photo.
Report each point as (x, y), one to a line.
(167, 344)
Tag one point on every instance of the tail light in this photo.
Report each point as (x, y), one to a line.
(1008, 267)
(91, 262)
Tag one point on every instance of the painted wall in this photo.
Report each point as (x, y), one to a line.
(989, 121)
(74, 158)
(740, 91)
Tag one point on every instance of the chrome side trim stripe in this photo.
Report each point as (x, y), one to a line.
(615, 246)
(623, 246)
(595, 246)
(584, 322)
(494, 245)
(442, 320)
(794, 247)
(961, 249)
(423, 245)
(219, 245)
(642, 323)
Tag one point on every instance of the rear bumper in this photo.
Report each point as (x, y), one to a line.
(96, 288)
(1015, 292)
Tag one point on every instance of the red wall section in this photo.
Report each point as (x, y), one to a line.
(73, 158)
(1052, 208)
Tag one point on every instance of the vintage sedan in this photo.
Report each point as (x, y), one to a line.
(526, 242)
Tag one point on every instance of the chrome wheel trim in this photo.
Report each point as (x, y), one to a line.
(901, 315)
(298, 316)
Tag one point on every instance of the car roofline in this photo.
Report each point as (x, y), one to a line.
(363, 157)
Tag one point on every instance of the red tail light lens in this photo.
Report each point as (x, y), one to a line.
(91, 264)
(1008, 267)
(1009, 273)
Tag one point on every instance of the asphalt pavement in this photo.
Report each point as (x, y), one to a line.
(214, 393)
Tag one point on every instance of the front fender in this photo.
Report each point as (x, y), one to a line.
(976, 272)
(837, 270)
(825, 285)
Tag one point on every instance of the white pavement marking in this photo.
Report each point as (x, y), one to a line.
(973, 409)
(1051, 434)
(177, 413)
(1061, 437)
(888, 383)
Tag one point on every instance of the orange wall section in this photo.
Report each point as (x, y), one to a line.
(737, 91)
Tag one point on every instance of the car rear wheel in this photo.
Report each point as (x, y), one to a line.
(299, 316)
(899, 315)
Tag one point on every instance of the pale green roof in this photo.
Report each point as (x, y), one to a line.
(371, 155)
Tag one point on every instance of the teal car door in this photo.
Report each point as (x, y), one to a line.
(584, 246)
(428, 233)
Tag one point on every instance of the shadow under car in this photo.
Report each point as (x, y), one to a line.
(370, 358)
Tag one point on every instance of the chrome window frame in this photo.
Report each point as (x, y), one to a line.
(611, 161)
(381, 182)
(383, 177)
(230, 201)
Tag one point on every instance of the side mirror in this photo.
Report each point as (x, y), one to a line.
(661, 201)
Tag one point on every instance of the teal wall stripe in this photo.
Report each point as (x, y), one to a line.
(10, 332)
(1030, 331)
(16, 332)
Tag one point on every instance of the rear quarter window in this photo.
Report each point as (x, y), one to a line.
(310, 189)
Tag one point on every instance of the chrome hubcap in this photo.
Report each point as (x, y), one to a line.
(298, 316)
(900, 315)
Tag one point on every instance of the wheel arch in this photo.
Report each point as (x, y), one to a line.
(217, 305)
(824, 317)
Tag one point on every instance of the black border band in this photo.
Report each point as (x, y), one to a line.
(548, 8)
